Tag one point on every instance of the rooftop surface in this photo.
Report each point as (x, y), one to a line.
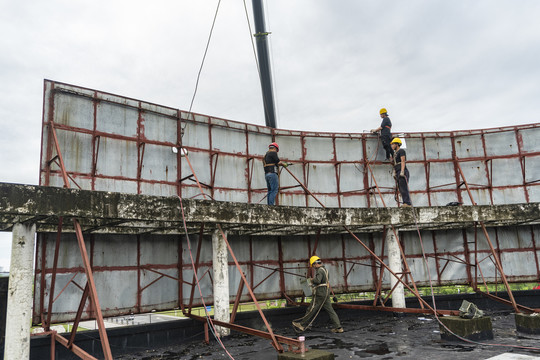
(367, 335)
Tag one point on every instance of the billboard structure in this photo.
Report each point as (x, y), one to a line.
(98, 141)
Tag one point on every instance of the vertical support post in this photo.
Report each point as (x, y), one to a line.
(53, 345)
(19, 303)
(206, 335)
(394, 262)
(221, 282)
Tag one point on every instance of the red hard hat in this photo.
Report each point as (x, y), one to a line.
(274, 145)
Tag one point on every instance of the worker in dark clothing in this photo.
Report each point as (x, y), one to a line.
(401, 171)
(386, 134)
(270, 163)
(321, 299)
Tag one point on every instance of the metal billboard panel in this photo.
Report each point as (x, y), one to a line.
(113, 143)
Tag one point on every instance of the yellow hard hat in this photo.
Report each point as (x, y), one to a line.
(313, 259)
(383, 111)
(396, 141)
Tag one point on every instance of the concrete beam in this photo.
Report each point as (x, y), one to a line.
(100, 212)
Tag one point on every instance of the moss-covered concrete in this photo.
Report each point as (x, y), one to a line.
(112, 212)
(472, 329)
(528, 323)
(309, 355)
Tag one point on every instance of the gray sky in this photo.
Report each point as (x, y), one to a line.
(434, 64)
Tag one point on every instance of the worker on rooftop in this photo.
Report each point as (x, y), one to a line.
(321, 299)
(270, 163)
(401, 171)
(386, 134)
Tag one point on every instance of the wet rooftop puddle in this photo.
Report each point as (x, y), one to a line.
(373, 349)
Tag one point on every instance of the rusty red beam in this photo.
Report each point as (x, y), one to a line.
(237, 301)
(53, 277)
(507, 302)
(246, 330)
(93, 292)
(196, 269)
(74, 348)
(86, 262)
(79, 315)
(394, 309)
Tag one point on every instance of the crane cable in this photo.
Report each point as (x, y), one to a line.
(202, 64)
(208, 319)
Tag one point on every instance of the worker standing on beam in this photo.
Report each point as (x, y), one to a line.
(386, 134)
(401, 172)
(321, 299)
(270, 163)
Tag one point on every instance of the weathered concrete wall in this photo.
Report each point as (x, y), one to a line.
(109, 212)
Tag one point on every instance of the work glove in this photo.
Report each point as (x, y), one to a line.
(402, 175)
(373, 130)
(284, 164)
(334, 298)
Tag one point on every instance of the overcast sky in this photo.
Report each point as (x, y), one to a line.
(434, 64)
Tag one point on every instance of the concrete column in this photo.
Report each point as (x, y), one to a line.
(21, 283)
(394, 262)
(221, 281)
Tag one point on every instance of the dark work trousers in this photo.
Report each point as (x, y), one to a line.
(404, 187)
(313, 310)
(387, 147)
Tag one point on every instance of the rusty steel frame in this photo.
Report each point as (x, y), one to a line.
(399, 278)
(90, 290)
(493, 255)
(380, 261)
(275, 343)
(248, 129)
(214, 155)
(495, 258)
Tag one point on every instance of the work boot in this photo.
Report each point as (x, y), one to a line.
(405, 205)
(337, 330)
(297, 326)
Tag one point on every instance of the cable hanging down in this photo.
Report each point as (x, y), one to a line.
(202, 63)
